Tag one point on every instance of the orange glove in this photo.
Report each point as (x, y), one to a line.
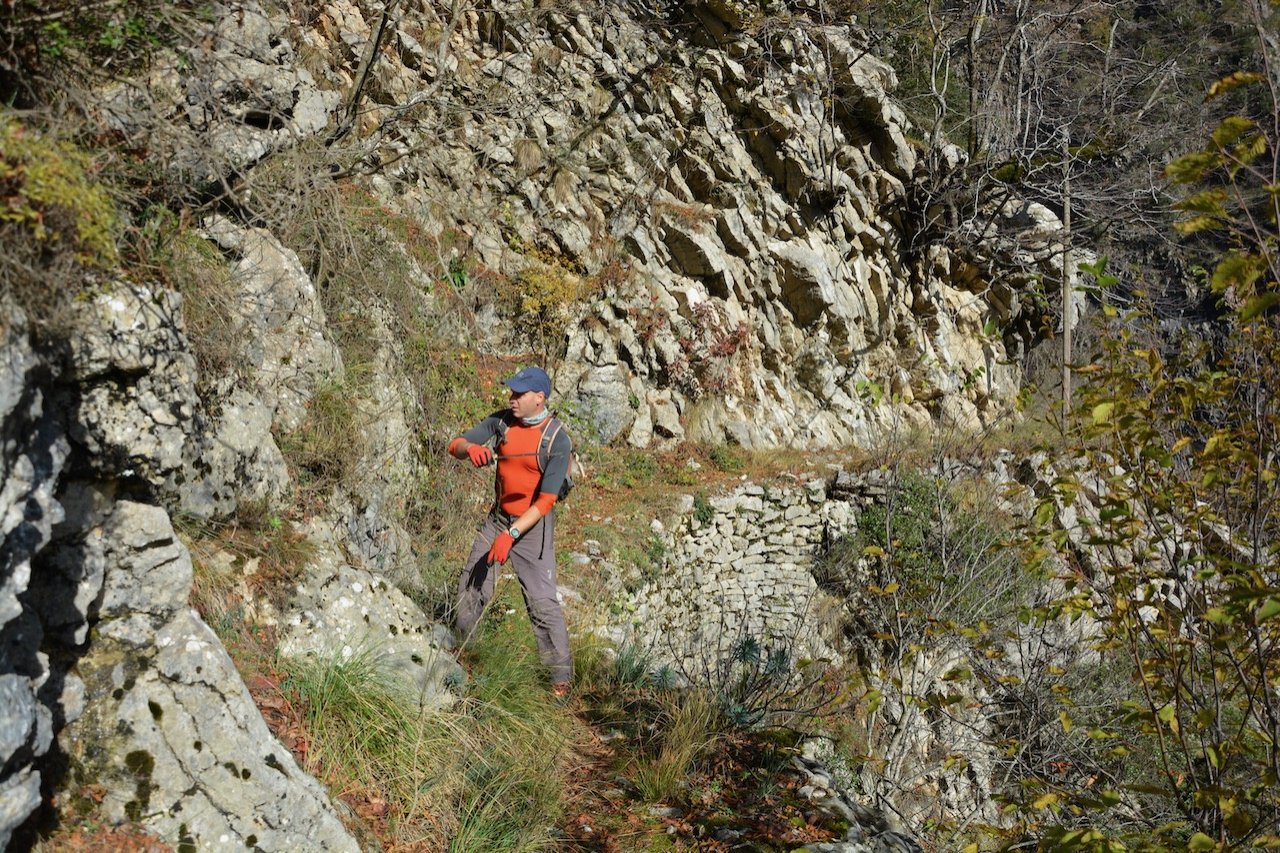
(480, 455)
(501, 548)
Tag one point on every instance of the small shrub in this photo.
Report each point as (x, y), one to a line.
(540, 301)
(50, 197)
(703, 511)
(727, 457)
(325, 451)
(762, 682)
(56, 221)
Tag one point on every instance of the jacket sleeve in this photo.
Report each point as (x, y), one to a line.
(483, 431)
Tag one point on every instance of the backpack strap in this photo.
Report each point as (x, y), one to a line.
(544, 443)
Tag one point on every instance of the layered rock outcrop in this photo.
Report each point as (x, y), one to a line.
(741, 193)
(102, 439)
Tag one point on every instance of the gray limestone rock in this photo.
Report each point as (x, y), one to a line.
(284, 321)
(602, 398)
(135, 401)
(338, 612)
(173, 735)
(33, 453)
(19, 797)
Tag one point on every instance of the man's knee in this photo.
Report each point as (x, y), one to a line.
(545, 611)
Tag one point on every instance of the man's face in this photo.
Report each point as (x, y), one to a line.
(527, 404)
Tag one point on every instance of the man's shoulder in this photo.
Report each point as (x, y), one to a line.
(504, 417)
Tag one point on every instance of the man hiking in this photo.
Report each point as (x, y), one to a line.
(532, 453)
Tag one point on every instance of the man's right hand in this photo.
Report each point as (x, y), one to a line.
(480, 455)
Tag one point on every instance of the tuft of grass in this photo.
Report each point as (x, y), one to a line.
(486, 775)
(728, 457)
(220, 591)
(326, 450)
(690, 729)
(516, 779)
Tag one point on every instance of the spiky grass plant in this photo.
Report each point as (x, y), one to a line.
(690, 729)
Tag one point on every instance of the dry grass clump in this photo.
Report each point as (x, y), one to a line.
(326, 450)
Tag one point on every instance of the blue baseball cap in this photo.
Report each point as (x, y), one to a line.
(530, 379)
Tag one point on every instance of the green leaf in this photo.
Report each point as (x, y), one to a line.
(1193, 167)
(1200, 841)
(1196, 224)
(1237, 269)
(1045, 800)
(1256, 306)
(1270, 609)
(1218, 616)
(1248, 151)
(1102, 412)
(1234, 80)
(1231, 128)
(1208, 202)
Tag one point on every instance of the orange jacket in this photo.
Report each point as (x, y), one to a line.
(519, 482)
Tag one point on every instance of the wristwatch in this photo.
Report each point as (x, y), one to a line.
(514, 531)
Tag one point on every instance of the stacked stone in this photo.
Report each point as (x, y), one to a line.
(742, 566)
(744, 574)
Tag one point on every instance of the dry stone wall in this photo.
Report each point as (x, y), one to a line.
(737, 568)
(742, 566)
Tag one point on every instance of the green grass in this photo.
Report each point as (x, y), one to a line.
(690, 729)
(486, 775)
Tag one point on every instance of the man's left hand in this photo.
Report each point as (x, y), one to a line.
(501, 548)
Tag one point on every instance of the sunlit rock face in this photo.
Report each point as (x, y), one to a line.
(751, 177)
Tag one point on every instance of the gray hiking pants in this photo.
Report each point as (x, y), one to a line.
(533, 556)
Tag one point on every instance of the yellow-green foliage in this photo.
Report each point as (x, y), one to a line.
(539, 301)
(50, 198)
(736, 13)
(548, 291)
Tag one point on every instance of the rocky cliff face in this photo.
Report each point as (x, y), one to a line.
(755, 178)
(737, 193)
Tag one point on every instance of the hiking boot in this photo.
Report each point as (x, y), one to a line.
(560, 690)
